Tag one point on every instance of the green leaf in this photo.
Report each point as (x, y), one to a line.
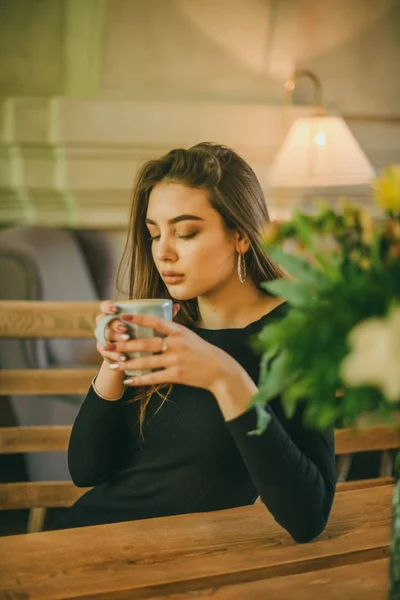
(264, 363)
(267, 340)
(304, 227)
(263, 418)
(293, 394)
(274, 381)
(327, 416)
(295, 293)
(298, 267)
(319, 416)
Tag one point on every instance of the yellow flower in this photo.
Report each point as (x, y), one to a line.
(368, 227)
(366, 264)
(387, 189)
(375, 355)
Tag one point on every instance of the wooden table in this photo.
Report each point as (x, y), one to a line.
(224, 555)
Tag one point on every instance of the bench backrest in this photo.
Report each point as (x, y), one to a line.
(76, 320)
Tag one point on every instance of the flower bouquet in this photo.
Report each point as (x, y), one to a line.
(337, 351)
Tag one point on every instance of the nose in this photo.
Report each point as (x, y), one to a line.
(165, 250)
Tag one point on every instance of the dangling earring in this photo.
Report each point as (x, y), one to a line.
(241, 268)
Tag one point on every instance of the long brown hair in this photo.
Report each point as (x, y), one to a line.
(234, 192)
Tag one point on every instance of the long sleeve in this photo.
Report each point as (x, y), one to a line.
(293, 469)
(96, 441)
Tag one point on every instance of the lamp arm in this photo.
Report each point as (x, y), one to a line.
(290, 84)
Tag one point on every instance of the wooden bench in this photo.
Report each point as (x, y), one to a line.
(42, 320)
(76, 320)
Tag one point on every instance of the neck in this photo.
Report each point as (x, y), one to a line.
(235, 305)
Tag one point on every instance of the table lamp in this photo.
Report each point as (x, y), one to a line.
(319, 150)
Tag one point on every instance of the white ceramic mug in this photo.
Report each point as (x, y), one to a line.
(155, 307)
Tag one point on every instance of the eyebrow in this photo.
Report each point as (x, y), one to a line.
(177, 219)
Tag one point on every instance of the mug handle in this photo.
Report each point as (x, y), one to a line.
(100, 331)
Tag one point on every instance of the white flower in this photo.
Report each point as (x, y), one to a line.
(375, 355)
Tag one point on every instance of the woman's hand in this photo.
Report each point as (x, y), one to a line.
(115, 330)
(109, 381)
(110, 352)
(185, 358)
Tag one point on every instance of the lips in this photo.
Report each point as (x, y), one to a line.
(171, 279)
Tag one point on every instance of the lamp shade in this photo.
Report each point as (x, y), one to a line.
(320, 151)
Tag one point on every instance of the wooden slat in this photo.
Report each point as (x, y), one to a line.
(47, 438)
(381, 437)
(153, 558)
(48, 494)
(360, 484)
(44, 494)
(347, 441)
(24, 439)
(45, 382)
(47, 319)
(359, 581)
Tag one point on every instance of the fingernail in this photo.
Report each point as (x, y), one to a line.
(114, 309)
(122, 357)
(113, 366)
(129, 380)
(124, 337)
(109, 347)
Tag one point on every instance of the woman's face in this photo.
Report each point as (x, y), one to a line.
(191, 248)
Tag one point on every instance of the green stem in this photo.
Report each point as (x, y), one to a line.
(394, 588)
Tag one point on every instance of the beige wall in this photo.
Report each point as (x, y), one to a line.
(243, 50)
(50, 47)
(207, 50)
(196, 50)
(153, 74)
(354, 46)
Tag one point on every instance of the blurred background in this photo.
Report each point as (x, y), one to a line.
(91, 88)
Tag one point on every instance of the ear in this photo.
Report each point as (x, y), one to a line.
(242, 242)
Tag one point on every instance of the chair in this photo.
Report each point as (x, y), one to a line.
(47, 264)
(45, 320)
(73, 320)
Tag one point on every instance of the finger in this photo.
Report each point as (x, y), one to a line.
(117, 329)
(102, 315)
(110, 353)
(114, 327)
(164, 376)
(115, 358)
(154, 344)
(157, 361)
(157, 323)
(107, 307)
(176, 308)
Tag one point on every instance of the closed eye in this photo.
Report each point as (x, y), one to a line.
(181, 237)
(186, 237)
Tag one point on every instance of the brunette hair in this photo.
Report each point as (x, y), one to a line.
(233, 191)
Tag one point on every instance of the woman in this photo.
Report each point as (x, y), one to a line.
(175, 440)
